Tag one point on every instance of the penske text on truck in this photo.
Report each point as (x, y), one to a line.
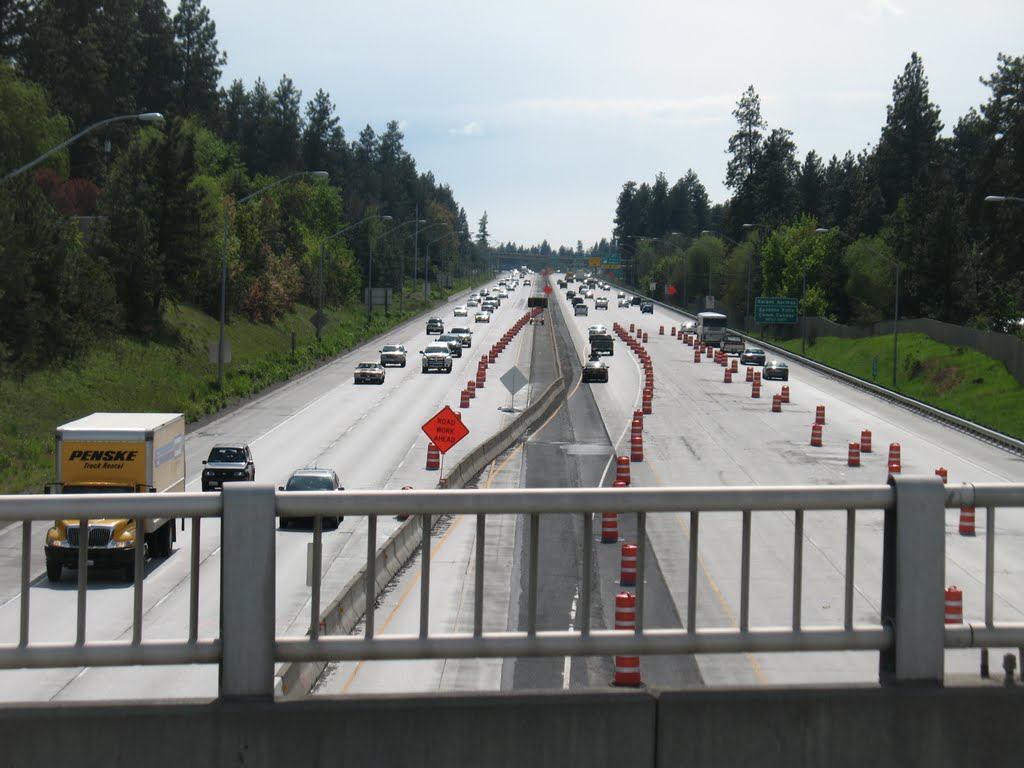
(116, 453)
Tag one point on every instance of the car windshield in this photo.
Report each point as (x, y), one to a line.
(227, 454)
(438, 349)
(310, 483)
(392, 348)
(367, 365)
(755, 351)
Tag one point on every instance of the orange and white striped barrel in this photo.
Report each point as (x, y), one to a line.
(755, 389)
(750, 374)
(609, 527)
(636, 448)
(776, 403)
(627, 570)
(853, 455)
(464, 399)
(954, 605)
(727, 378)
(895, 463)
(816, 435)
(622, 470)
(627, 668)
(785, 393)
(967, 521)
(433, 456)
(865, 441)
(819, 414)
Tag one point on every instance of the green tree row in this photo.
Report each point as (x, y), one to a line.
(915, 199)
(101, 236)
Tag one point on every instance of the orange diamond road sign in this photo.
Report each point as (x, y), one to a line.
(445, 429)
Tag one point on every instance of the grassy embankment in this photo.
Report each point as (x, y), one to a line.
(955, 379)
(171, 374)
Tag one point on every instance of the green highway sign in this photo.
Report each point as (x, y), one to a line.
(775, 309)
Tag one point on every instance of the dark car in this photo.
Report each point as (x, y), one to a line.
(752, 356)
(313, 480)
(635, 301)
(595, 369)
(228, 464)
(776, 369)
(454, 343)
(647, 308)
(435, 325)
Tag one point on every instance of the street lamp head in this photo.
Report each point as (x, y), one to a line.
(750, 226)
(822, 230)
(150, 117)
(385, 218)
(706, 232)
(319, 174)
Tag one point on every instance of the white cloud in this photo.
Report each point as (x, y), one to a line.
(706, 109)
(873, 10)
(472, 128)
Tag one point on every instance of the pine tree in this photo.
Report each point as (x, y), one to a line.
(745, 144)
(197, 62)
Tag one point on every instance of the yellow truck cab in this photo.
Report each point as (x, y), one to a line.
(115, 453)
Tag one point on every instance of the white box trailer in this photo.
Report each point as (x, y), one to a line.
(116, 453)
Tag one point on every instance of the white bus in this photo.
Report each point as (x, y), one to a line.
(711, 327)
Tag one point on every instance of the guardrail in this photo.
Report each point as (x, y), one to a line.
(910, 634)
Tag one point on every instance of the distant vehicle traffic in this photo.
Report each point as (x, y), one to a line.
(601, 303)
(463, 333)
(732, 344)
(393, 354)
(647, 308)
(581, 309)
(437, 357)
(776, 369)
(711, 327)
(454, 343)
(461, 311)
(752, 356)
(313, 480)
(482, 317)
(368, 373)
(435, 325)
(595, 370)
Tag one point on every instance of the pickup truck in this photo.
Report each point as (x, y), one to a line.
(732, 344)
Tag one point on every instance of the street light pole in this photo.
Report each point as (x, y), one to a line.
(224, 262)
(896, 302)
(369, 266)
(144, 117)
(320, 291)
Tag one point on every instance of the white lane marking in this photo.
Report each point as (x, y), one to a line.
(567, 669)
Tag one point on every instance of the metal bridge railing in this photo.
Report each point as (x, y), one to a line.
(910, 635)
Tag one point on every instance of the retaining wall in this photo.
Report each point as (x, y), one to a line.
(764, 727)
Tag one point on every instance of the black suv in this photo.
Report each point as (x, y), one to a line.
(228, 464)
(435, 325)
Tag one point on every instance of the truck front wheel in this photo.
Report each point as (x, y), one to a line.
(53, 570)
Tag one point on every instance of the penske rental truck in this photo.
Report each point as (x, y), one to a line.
(116, 453)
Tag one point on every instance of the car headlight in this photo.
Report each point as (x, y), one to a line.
(207, 473)
(239, 473)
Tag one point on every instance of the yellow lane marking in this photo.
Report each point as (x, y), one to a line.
(492, 473)
(722, 602)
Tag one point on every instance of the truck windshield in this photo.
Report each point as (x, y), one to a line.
(226, 454)
(714, 322)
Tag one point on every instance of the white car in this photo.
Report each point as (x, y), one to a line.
(461, 311)
(482, 317)
(472, 302)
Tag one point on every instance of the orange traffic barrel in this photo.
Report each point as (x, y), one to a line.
(471, 388)
(696, 355)
(755, 389)
(639, 414)
(757, 376)
(865, 441)
(645, 337)
(632, 327)
(622, 470)
(609, 527)
(895, 463)
(646, 401)
(776, 403)
(636, 448)
(661, 330)
(627, 668)
(853, 456)
(708, 351)
(750, 374)
(819, 415)
(943, 473)
(967, 521)
(433, 456)
(735, 367)
(464, 400)
(404, 517)
(816, 435)
(627, 571)
(954, 605)
(481, 378)
(672, 331)
(785, 393)
(728, 376)
(636, 428)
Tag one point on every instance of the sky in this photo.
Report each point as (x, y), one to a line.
(538, 112)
